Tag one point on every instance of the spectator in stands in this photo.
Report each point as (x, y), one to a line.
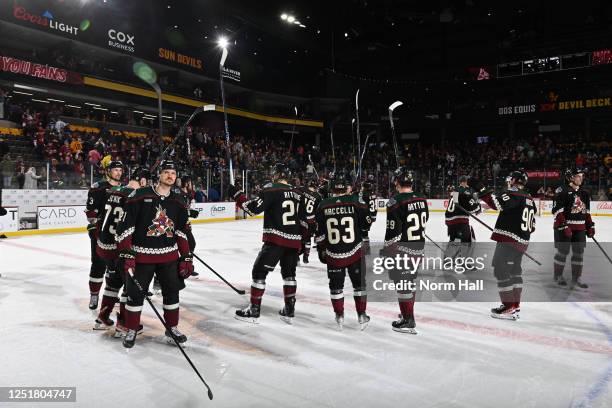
(8, 168)
(20, 172)
(579, 160)
(550, 193)
(31, 179)
(601, 195)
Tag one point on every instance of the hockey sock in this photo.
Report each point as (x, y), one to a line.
(109, 298)
(94, 285)
(406, 304)
(337, 299)
(258, 287)
(517, 291)
(576, 269)
(507, 297)
(132, 316)
(122, 302)
(361, 300)
(289, 289)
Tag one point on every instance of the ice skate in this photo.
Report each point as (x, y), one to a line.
(339, 321)
(405, 325)
(93, 301)
(363, 319)
(180, 337)
(287, 313)
(249, 314)
(505, 312)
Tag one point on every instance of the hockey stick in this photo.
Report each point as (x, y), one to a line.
(358, 133)
(179, 134)
(602, 250)
(365, 146)
(293, 131)
(391, 109)
(239, 291)
(491, 229)
(353, 144)
(433, 242)
(331, 135)
(168, 330)
(227, 135)
(313, 166)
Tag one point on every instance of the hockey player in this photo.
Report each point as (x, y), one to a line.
(188, 194)
(107, 250)
(457, 220)
(368, 196)
(407, 215)
(280, 203)
(342, 220)
(572, 224)
(152, 239)
(310, 202)
(514, 226)
(94, 210)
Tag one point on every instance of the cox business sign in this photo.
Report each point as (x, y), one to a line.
(207, 211)
(61, 217)
(10, 221)
(121, 40)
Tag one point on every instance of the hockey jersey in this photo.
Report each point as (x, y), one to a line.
(154, 227)
(340, 224)
(96, 199)
(571, 208)
(106, 245)
(464, 196)
(369, 198)
(407, 216)
(516, 220)
(283, 214)
(310, 202)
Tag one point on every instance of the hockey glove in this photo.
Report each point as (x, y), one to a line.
(91, 231)
(193, 213)
(185, 268)
(591, 231)
(129, 261)
(322, 256)
(476, 185)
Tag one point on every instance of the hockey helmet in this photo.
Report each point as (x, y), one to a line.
(518, 177)
(281, 171)
(339, 180)
(403, 176)
(573, 172)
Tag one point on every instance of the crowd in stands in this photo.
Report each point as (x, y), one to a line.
(65, 158)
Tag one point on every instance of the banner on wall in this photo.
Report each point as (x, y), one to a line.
(209, 211)
(22, 67)
(10, 221)
(61, 217)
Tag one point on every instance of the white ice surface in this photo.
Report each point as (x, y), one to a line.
(557, 355)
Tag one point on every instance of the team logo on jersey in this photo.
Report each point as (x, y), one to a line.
(578, 206)
(162, 225)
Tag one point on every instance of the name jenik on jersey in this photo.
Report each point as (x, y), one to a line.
(339, 210)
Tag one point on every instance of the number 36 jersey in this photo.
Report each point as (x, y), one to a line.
(283, 214)
(516, 220)
(113, 214)
(407, 215)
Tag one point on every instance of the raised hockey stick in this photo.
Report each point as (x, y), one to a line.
(365, 147)
(391, 109)
(179, 134)
(602, 250)
(293, 130)
(161, 319)
(358, 130)
(491, 229)
(239, 291)
(227, 134)
(331, 135)
(313, 166)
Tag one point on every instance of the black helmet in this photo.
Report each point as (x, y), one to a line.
(519, 177)
(114, 164)
(339, 181)
(167, 165)
(185, 179)
(368, 185)
(403, 176)
(135, 173)
(312, 182)
(572, 172)
(281, 171)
